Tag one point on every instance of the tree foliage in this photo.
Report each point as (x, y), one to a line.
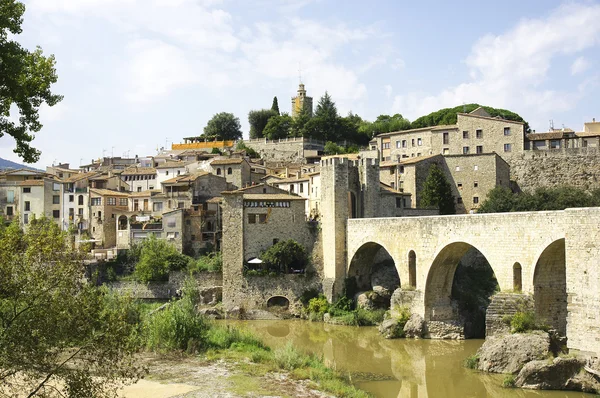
(275, 106)
(157, 258)
(501, 199)
(448, 116)
(25, 80)
(60, 335)
(436, 192)
(241, 146)
(278, 127)
(384, 124)
(222, 127)
(285, 256)
(331, 148)
(258, 120)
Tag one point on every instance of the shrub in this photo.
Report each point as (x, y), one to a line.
(509, 381)
(522, 322)
(157, 258)
(318, 305)
(289, 358)
(212, 262)
(403, 317)
(285, 257)
(369, 317)
(472, 361)
(341, 306)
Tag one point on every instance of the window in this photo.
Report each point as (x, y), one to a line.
(506, 130)
(262, 218)
(479, 149)
(178, 172)
(445, 151)
(10, 197)
(71, 198)
(479, 133)
(171, 223)
(386, 145)
(100, 215)
(167, 173)
(96, 201)
(80, 200)
(56, 213)
(465, 150)
(459, 200)
(419, 142)
(446, 138)
(373, 147)
(122, 201)
(401, 186)
(55, 186)
(507, 147)
(459, 185)
(392, 184)
(418, 154)
(465, 135)
(151, 187)
(475, 168)
(157, 206)
(27, 205)
(412, 142)
(111, 201)
(398, 203)
(398, 144)
(27, 190)
(475, 200)
(80, 211)
(25, 218)
(291, 187)
(252, 218)
(401, 169)
(139, 189)
(301, 187)
(218, 171)
(475, 184)
(392, 170)
(9, 210)
(457, 168)
(180, 205)
(403, 143)
(55, 199)
(229, 170)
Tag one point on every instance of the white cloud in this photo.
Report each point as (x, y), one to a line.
(580, 65)
(388, 90)
(510, 69)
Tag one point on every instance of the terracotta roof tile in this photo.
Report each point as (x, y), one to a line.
(218, 162)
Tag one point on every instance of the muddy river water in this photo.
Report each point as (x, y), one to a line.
(394, 368)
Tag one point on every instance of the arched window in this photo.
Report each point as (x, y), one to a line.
(517, 278)
(412, 269)
(230, 171)
(218, 171)
(80, 200)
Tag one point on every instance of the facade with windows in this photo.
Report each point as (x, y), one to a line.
(236, 171)
(140, 178)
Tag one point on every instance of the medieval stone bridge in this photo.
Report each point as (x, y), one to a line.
(553, 256)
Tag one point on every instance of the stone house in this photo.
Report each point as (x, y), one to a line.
(236, 171)
(170, 169)
(140, 178)
(105, 207)
(39, 198)
(565, 138)
(76, 200)
(10, 190)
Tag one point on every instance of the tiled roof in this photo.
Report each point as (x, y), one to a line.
(218, 162)
(271, 196)
(551, 135)
(29, 183)
(145, 193)
(108, 192)
(491, 118)
(81, 176)
(130, 171)
(216, 199)
(172, 165)
(185, 178)
(293, 179)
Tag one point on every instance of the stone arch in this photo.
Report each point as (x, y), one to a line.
(550, 287)
(412, 269)
(122, 223)
(517, 277)
(445, 299)
(280, 303)
(373, 268)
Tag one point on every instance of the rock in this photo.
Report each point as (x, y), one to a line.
(236, 313)
(390, 329)
(370, 300)
(415, 327)
(560, 374)
(257, 314)
(326, 317)
(444, 330)
(510, 352)
(384, 279)
(211, 296)
(212, 313)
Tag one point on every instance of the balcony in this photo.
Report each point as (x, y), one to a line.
(81, 190)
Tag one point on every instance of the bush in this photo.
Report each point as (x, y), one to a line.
(212, 262)
(284, 257)
(472, 362)
(289, 358)
(522, 322)
(158, 257)
(341, 306)
(318, 305)
(369, 317)
(509, 381)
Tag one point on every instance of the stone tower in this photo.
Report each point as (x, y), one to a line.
(301, 101)
(349, 189)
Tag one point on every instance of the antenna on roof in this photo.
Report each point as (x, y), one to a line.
(551, 125)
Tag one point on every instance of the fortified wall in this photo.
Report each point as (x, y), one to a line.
(578, 167)
(294, 149)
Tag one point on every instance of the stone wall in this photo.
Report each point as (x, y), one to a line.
(502, 305)
(284, 150)
(579, 167)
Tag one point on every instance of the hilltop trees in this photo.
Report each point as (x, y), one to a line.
(437, 192)
(275, 106)
(25, 80)
(501, 199)
(222, 127)
(278, 127)
(258, 120)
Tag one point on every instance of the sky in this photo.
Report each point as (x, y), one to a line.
(138, 75)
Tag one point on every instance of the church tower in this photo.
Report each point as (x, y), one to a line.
(301, 101)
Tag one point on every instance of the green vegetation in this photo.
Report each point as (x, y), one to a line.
(524, 321)
(332, 148)
(278, 127)
(285, 257)
(384, 124)
(157, 257)
(258, 120)
(275, 106)
(448, 116)
(212, 262)
(509, 381)
(472, 362)
(249, 151)
(222, 127)
(436, 192)
(342, 312)
(501, 199)
(402, 319)
(54, 326)
(25, 80)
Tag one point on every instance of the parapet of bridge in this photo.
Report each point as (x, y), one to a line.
(551, 256)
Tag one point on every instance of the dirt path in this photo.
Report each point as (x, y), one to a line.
(194, 378)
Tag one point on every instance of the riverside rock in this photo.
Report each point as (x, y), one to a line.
(415, 327)
(390, 328)
(560, 374)
(510, 352)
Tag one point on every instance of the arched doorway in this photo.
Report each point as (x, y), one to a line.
(458, 288)
(550, 287)
(373, 269)
(278, 304)
(122, 223)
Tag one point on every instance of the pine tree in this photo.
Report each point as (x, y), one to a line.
(275, 106)
(436, 192)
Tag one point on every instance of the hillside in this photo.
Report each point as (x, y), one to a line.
(7, 164)
(448, 116)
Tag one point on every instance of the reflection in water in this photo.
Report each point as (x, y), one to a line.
(395, 368)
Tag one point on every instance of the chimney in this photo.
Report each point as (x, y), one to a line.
(593, 120)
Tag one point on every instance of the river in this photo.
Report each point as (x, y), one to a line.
(394, 368)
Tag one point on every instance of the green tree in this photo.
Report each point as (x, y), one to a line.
(275, 106)
(285, 256)
(331, 148)
(436, 192)
(324, 125)
(157, 258)
(498, 200)
(241, 146)
(60, 335)
(25, 80)
(278, 127)
(299, 122)
(223, 126)
(502, 199)
(258, 120)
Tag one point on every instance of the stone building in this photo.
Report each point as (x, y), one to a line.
(105, 207)
(565, 138)
(40, 198)
(301, 102)
(474, 133)
(140, 178)
(236, 171)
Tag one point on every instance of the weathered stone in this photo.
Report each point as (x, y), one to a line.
(364, 301)
(502, 305)
(390, 329)
(326, 317)
(211, 296)
(415, 327)
(384, 280)
(444, 330)
(559, 374)
(235, 313)
(510, 352)
(256, 314)
(212, 313)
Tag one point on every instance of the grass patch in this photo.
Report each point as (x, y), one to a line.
(243, 385)
(472, 362)
(524, 321)
(509, 381)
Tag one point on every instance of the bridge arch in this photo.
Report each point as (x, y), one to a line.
(278, 303)
(448, 296)
(372, 266)
(550, 287)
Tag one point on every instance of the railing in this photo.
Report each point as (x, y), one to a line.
(81, 190)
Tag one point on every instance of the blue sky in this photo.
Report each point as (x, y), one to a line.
(138, 73)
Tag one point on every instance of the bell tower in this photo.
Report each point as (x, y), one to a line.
(301, 101)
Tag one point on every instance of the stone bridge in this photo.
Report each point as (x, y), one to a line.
(552, 256)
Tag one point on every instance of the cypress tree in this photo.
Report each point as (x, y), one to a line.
(437, 192)
(275, 106)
